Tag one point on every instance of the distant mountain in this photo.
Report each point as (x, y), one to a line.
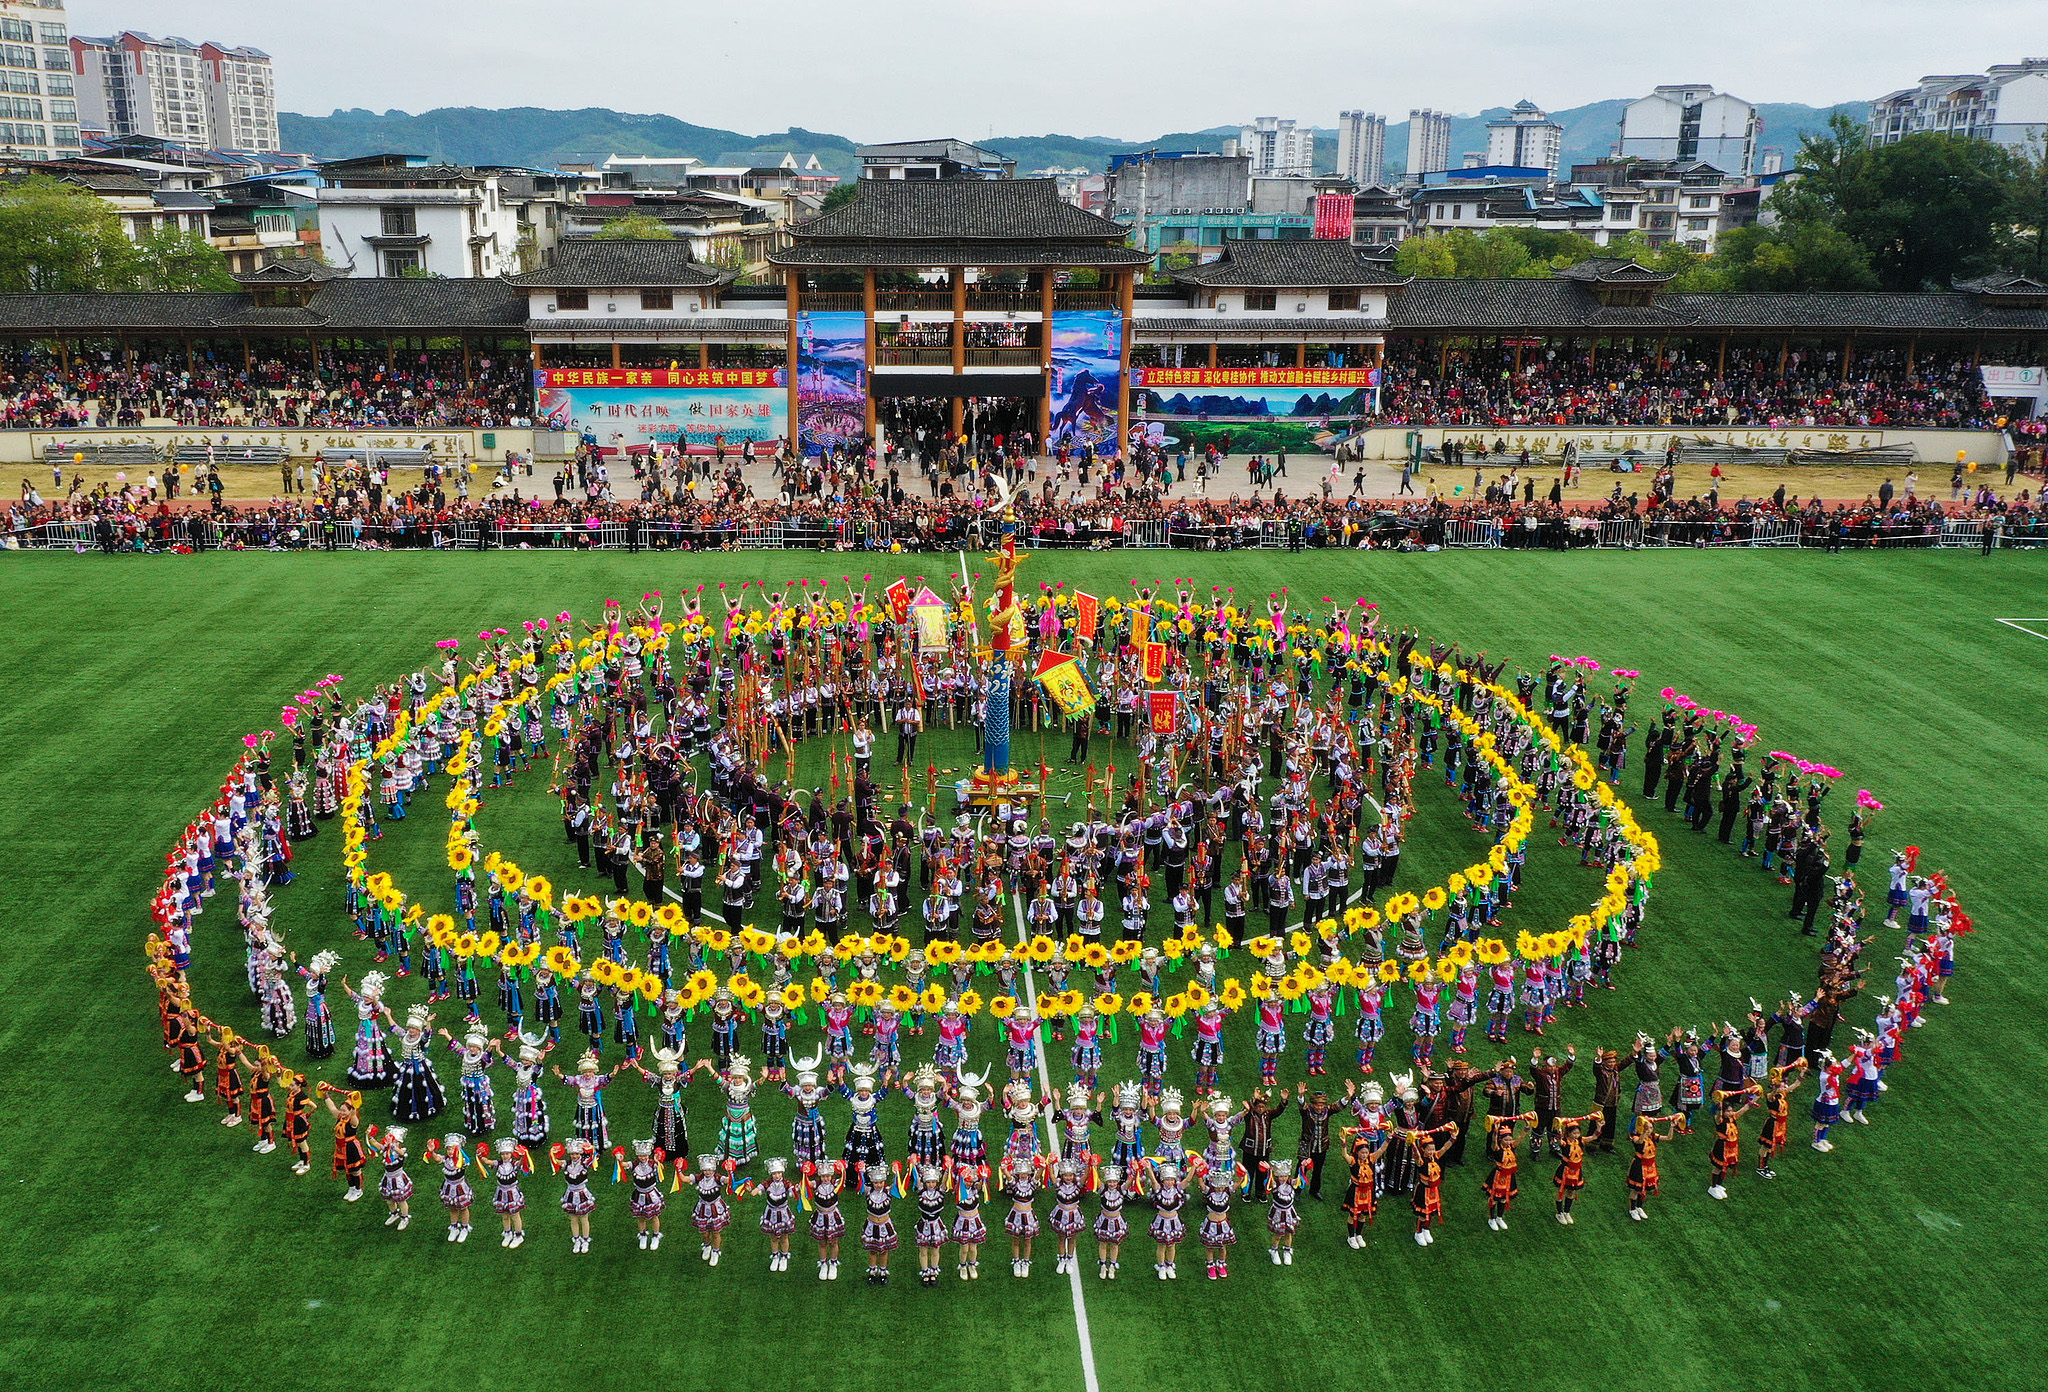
(528, 135)
(536, 136)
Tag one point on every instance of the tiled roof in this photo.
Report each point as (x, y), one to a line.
(369, 306)
(709, 325)
(1222, 326)
(956, 209)
(947, 253)
(119, 311)
(292, 270)
(605, 263)
(1294, 264)
(1567, 304)
(1613, 270)
(464, 303)
(2003, 283)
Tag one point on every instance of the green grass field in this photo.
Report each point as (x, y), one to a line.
(152, 1247)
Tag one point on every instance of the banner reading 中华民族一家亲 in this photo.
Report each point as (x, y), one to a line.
(697, 409)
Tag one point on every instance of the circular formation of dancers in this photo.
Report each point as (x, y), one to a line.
(1274, 764)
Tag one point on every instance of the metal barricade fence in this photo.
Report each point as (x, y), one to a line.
(61, 536)
(1961, 531)
(1623, 532)
(1775, 531)
(1148, 532)
(1466, 531)
(1271, 536)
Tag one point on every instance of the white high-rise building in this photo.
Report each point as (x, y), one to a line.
(38, 110)
(1691, 121)
(1361, 147)
(1429, 142)
(1525, 137)
(2007, 105)
(1278, 148)
(201, 94)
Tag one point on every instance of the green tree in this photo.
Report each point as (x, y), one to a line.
(1832, 164)
(1495, 254)
(2023, 236)
(1923, 210)
(635, 227)
(55, 236)
(1795, 256)
(839, 195)
(1428, 257)
(168, 259)
(1930, 208)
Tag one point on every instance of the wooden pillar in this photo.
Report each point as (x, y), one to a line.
(1127, 289)
(390, 352)
(958, 411)
(616, 355)
(537, 364)
(1977, 353)
(1912, 346)
(1443, 357)
(959, 320)
(789, 279)
(703, 355)
(1721, 363)
(1663, 342)
(1212, 354)
(1848, 355)
(1300, 355)
(1045, 312)
(1518, 355)
(465, 357)
(867, 305)
(1592, 352)
(188, 351)
(1784, 352)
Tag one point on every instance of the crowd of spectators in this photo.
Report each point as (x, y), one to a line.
(365, 510)
(415, 390)
(1538, 386)
(1482, 386)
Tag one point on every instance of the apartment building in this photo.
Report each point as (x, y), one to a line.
(1361, 147)
(206, 95)
(38, 103)
(2008, 105)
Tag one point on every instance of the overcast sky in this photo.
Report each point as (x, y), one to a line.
(905, 69)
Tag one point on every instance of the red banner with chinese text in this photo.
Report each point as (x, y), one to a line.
(663, 377)
(1157, 378)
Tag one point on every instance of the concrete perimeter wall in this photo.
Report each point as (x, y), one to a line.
(1933, 446)
(26, 446)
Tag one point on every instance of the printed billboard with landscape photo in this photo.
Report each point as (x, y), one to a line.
(831, 380)
(1253, 410)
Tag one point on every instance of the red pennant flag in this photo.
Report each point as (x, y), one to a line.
(1165, 707)
(1087, 611)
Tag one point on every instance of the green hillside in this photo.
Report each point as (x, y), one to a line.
(536, 136)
